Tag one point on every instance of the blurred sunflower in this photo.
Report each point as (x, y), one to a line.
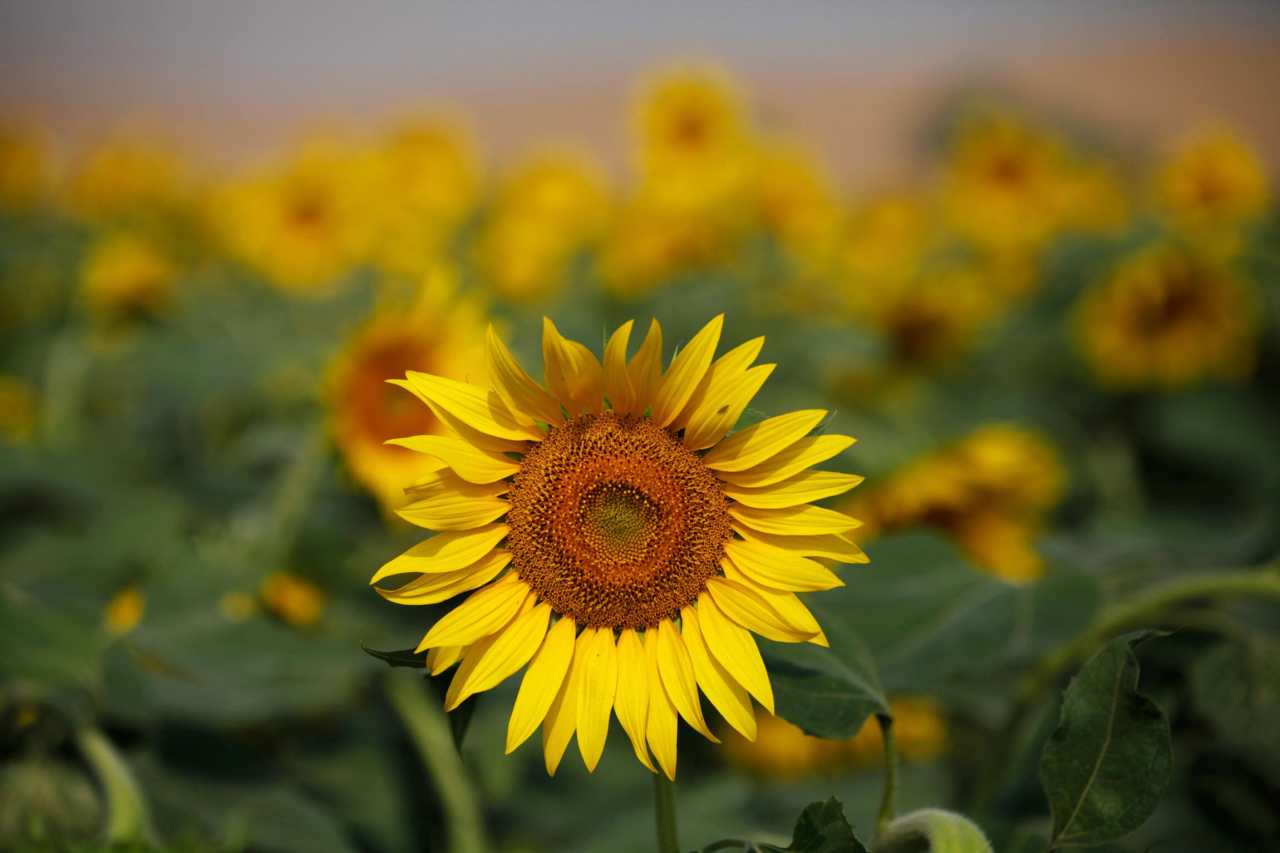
(783, 751)
(124, 611)
(292, 599)
(1002, 183)
(990, 491)
(1168, 317)
(425, 179)
(25, 167)
(127, 177)
(797, 202)
(1212, 184)
(648, 244)
(1094, 198)
(125, 276)
(303, 226)
(440, 332)
(548, 210)
(622, 546)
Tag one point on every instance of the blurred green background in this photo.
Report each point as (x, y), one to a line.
(1056, 343)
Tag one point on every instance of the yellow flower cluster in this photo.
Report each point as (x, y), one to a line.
(990, 491)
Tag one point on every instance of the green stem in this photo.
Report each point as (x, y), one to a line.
(664, 813)
(127, 818)
(1151, 608)
(428, 728)
(889, 797)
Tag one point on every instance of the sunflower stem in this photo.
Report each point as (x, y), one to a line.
(664, 813)
(127, 820)
(428, 728)
(889, 796)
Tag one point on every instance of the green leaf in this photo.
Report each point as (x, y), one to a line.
(828, 693)
(932, 831)
(928, 615)
(1236, 687)
(823, 828)
(400, 657)
(1107, 764)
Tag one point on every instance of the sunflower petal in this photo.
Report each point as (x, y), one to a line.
(828, 547)
(573, 373)
(802, 488)
(444, 552)
(510, 651)
(437, 587)
(562, 716)
(617, 379)
(778, 568)
(802, 454)
(470, 655)
(756, 443)
(478, 407)
(748, 608)
(525, 398)
(678, 678)
(646, 370)
(445, 481)
(541, 683)
(451, 511)
(724, 372)
(442, 657)
(803, 520)
(469, 434)
(483, 613)
(708, 425)
(595, 699)
(467, 461)
(726, 694)
(632, 702)
(685, 372)
(660, 724)
(735, 649)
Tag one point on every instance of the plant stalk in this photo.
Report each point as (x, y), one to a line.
(127, 819)
(428, 728)
(664, 813)
(889, 797)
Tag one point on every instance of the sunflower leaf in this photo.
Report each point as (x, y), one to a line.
(823, 828)
(400, 657)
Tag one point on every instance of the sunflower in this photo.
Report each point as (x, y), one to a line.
(1168, 317)
(127, 176)
(25, 167)
(1213, 182)
(440, 332)
(127, 275)
(617, 539)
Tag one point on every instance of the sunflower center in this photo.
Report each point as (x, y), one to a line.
(615, 522)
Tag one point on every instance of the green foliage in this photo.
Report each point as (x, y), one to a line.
(932, 831)
(1108, 762)
(823, 828)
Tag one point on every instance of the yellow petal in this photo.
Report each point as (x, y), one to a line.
(595, 699)
(444, 552)
(660, 724)
(735, 649)
(753, 445)
(448, 511)
(748, 608)
(724, 372)
(802, 488)
(632, 702)
(445, 481)
(828, 547)
(437, 587)
(779, 568)
(478, 407)
(803, 454)
(685, 372)
(562, 717)
(541, 683)
(458, 427)
(467, 461)
(803, 520)
(792, 609)
(646, 370)
(511, 649)
(617, 379)
(726, 694)
(483, 613)
(708, 425)
(442, 657)
(678, 678)
(523, 396)
(573, 373)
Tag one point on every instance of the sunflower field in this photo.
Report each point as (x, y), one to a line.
(376, 497)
